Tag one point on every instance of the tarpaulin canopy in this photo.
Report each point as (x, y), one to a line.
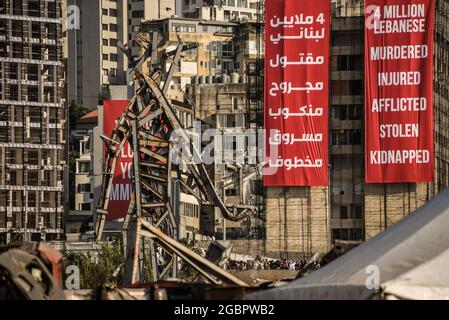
(427, 281)
(417, 244)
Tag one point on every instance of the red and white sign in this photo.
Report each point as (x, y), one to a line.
(121, 184)
(296, 92)
(399, 91)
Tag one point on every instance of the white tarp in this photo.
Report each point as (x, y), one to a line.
(409, 244)
(429, 281)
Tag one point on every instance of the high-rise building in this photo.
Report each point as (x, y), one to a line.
(222, 48)
(32, 120)
(94, 60)
(299, 219)
(144, 10)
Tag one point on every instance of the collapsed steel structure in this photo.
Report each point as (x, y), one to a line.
(149, 123)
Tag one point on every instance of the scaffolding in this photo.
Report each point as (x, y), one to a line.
(32, 121)
(255, 112)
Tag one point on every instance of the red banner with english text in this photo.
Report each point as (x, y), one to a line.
(399, 131)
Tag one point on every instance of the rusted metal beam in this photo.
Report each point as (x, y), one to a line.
(132, 273)
(202, 265)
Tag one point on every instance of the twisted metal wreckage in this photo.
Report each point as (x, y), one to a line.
(150, 227)
(149, 123)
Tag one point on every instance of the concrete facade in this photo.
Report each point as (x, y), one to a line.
(222, 107)
(32, 121)
(95, 62)
(297, 222)
(220, 10)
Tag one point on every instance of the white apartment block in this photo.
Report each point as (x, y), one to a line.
(220, 10)
(95, 62)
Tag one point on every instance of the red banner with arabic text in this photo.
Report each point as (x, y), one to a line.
(399, 91)
(121, 184)
(296, 92)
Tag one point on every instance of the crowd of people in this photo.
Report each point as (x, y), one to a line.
(267, 264)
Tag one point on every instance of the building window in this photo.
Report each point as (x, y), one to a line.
(113, 12)
(349, 62)
(183, 28)
(231, 192)
(113, 57)
(104, 12)
(83, 167)
(104, 27)
(346, 137)
(105, 42)
(347, 112)
(347, 38)
(85, 206)
(347, 234)
(343, 212)
(137, 14)
(113, 42)
(358, 212)
(113, 27)
(235, 103)
(347, 87)
(105, 57)
(242, 3)
(84, 188)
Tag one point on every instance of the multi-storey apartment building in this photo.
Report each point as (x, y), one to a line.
(94, 60)
(223, 48)
(220, 10)
(32, 120)
(222, 107)
(144, 10)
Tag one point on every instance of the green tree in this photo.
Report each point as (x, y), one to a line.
(76, 111)
(105, 94)
(103, 267)
(98, 268)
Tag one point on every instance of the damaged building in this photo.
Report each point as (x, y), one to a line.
(32, 121)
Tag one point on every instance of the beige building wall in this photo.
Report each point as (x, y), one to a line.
(200, 61)
(386, 204)
(297, 222)
(189, 218)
